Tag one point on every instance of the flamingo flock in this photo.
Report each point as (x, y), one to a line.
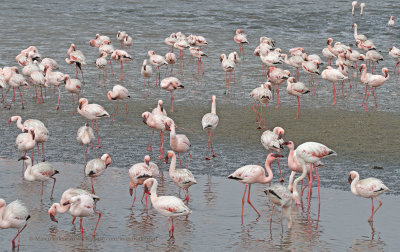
(305, 159)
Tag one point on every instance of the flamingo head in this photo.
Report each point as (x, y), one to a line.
(279, 131)
(287, 72)
(238, 31)
(146, 116)
(222, 57)
(272, 156)
(13, 119)
(87, 125)
(329, 41)
(362, 67)
(147, 184)
(268, 85)
(147, 160)
(391, 17)
(385, 71)
(170, 154)
(169, 124)
(352, 176)
(32, 132)
(92, 43)
(213, 98)
(107, 159)
(109, 96)
(291, 80)
(354, 26)
(160, 105)
(52, 214)
(151, 53)
(289, 144)
(82, 102)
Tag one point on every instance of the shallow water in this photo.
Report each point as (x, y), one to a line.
(215, 221)
(361, 139)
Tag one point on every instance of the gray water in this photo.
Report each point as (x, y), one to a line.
(361, 139)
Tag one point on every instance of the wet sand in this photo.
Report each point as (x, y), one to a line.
(215, 222)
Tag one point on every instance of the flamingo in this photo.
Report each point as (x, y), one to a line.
(138, 173)
(26, 142)
(357, 36)
(171, 59)
(119, 93)
(77, 57)
(353, 7)
(308, 154)
(367, 188)
(14, 215)
(38, 79)
(156, 121)
(362, 6)
(272, 141)
(120, 37)
(337, 49)
(92, 112)
(261, 95)
(39, 172)
(127, 41)
(391, 22)
(210, 122)
(99, 41)
(228, 65)
(183, 178)
(333, 75)
(327, 54)
(56, 79)
(199, 54)
(281, 196)
(53, 65)
(178, 142)
(241, 39)
(74, 86)
(96, 167)
(146, 73)
(311, 67)
(294, 61)
(157, 61)
(374, 57)
(101, 63)
(394, 52)
(296, 89)
(15, 81)
(106, 47)
(121, 56)
(372, 81)
(181, 44)
(65, 197)
(170, 41)
(82, 206)
(365, 45)
(168, 206)
(277, 76)
(250, 174)
(85, 136)
(170, 84)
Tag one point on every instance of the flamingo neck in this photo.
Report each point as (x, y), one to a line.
(353, 185)
(173, 165)
(172, 134)
(19, 123)
(214, 107)
(269, 171)
(59, 208)
(153, 191)
(364, 75)
(28, 172)
(296, 181)
(355, 31)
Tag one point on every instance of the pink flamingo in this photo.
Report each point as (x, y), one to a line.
(181, 44)
(83, 206)
(26, 142)
(296, 89)
(85, 136)
(372, 81)
(327, 54)
(250, 174)
(333, 75)
(77, 57)
(50, 62)
(374, 57)
(307, 154)
(120, 37)
(362, 6)
(157, 61)
(39, 172)
(183, 178)
(170, 41)
(280, 195)
(358, 36)
(74, 86)
(56, 79)
(169, 206)
(394, 52)
(96, 167)
(241, 39)
(14, 215)
(15, 81)
(170, 84)
(119, 93)
(294, 61)
(199, 54)
(272, 141)
(261, 95)
(93, 112)
(101, 64)
(146, 72)
(127, 41)
(121, 56)
(106, 47)
(171, 59)
(367, 188)
(66, 196)
(277, 76)
(38, 80)
(178, 142)
(337, 49)
(311, 67)
(391, 22)
(138, 173)
(353, 7)
(210, 122)
(156, 122)
(99, 41)
(228, 65)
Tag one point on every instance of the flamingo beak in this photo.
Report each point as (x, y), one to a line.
(147, 163)
(166, 159)
(66, 203)
(146, 190)
(277, 155)
(53, 218)
(9, 121)
(350, 179)
(130, 191)
(285, 143)
(22, 158)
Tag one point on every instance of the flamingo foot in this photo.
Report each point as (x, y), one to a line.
(208, 158)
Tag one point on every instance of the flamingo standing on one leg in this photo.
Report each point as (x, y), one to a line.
(241, 39)
(121, 56)
(333, 75)
(96, 167)
(367, 188)
(138, 173)
(372, 81)
(228, 65)
(210, 122)
(272, 141)
(171, 60)
(82, 206)
(183, 178)
(39, 172)
(146, 73)
(169, 206)
(394, 52)
(261, 95)
(251, 174)
(77, 57)
(178, 142)
(74, 86)
(85, 136)
(14, 215)
(65, 197)
(170, 84)
(101, 63)
(296, 89)
(119, 93)
(157, 122)
(157, 61)
(26, 142)
(93, 112)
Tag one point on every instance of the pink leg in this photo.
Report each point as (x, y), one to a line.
(212, 148)
(172, 102)
(151, 138)
(81, 226)
(374, 93)
(43, 152)
(52, 190)
(279, 166)
(134, 198)
(371, 218)
(22, 100)
(208, 147)
(248, 201)
(318, 179)
(83, 78)
(115, 111)
(277, 94)
(365, 95)
(58, 101)
(121, 70)
(243, 200)
(112, 70)
(98, 139)
(334, 94)
(13, 240)
(366, 102)
(298, 107)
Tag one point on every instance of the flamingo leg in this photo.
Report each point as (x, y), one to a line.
(97, 223)
(112, 70)
(13, 98)
(298, 107)
(208, 147)
(374, 93)
(91, 180)
(83, 78)
(248, 201)
(51, 195)
(212, 148)
(121, 70)
(41, 192)
(81, 226)
(58, 101)
(115, 111)
(151, 138)
(309, 188)
(98, 139)
(162, 145)
(84, 157)
(243, 200)
(371, 218)
(134, 198)
(226, 82)
(318, 180)
(13, 240)
(334, 94)
(366, 102)
(73, 220)
(279, 166)
(365, 95)
(22, 100)
(172, 102)
(277, 94)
